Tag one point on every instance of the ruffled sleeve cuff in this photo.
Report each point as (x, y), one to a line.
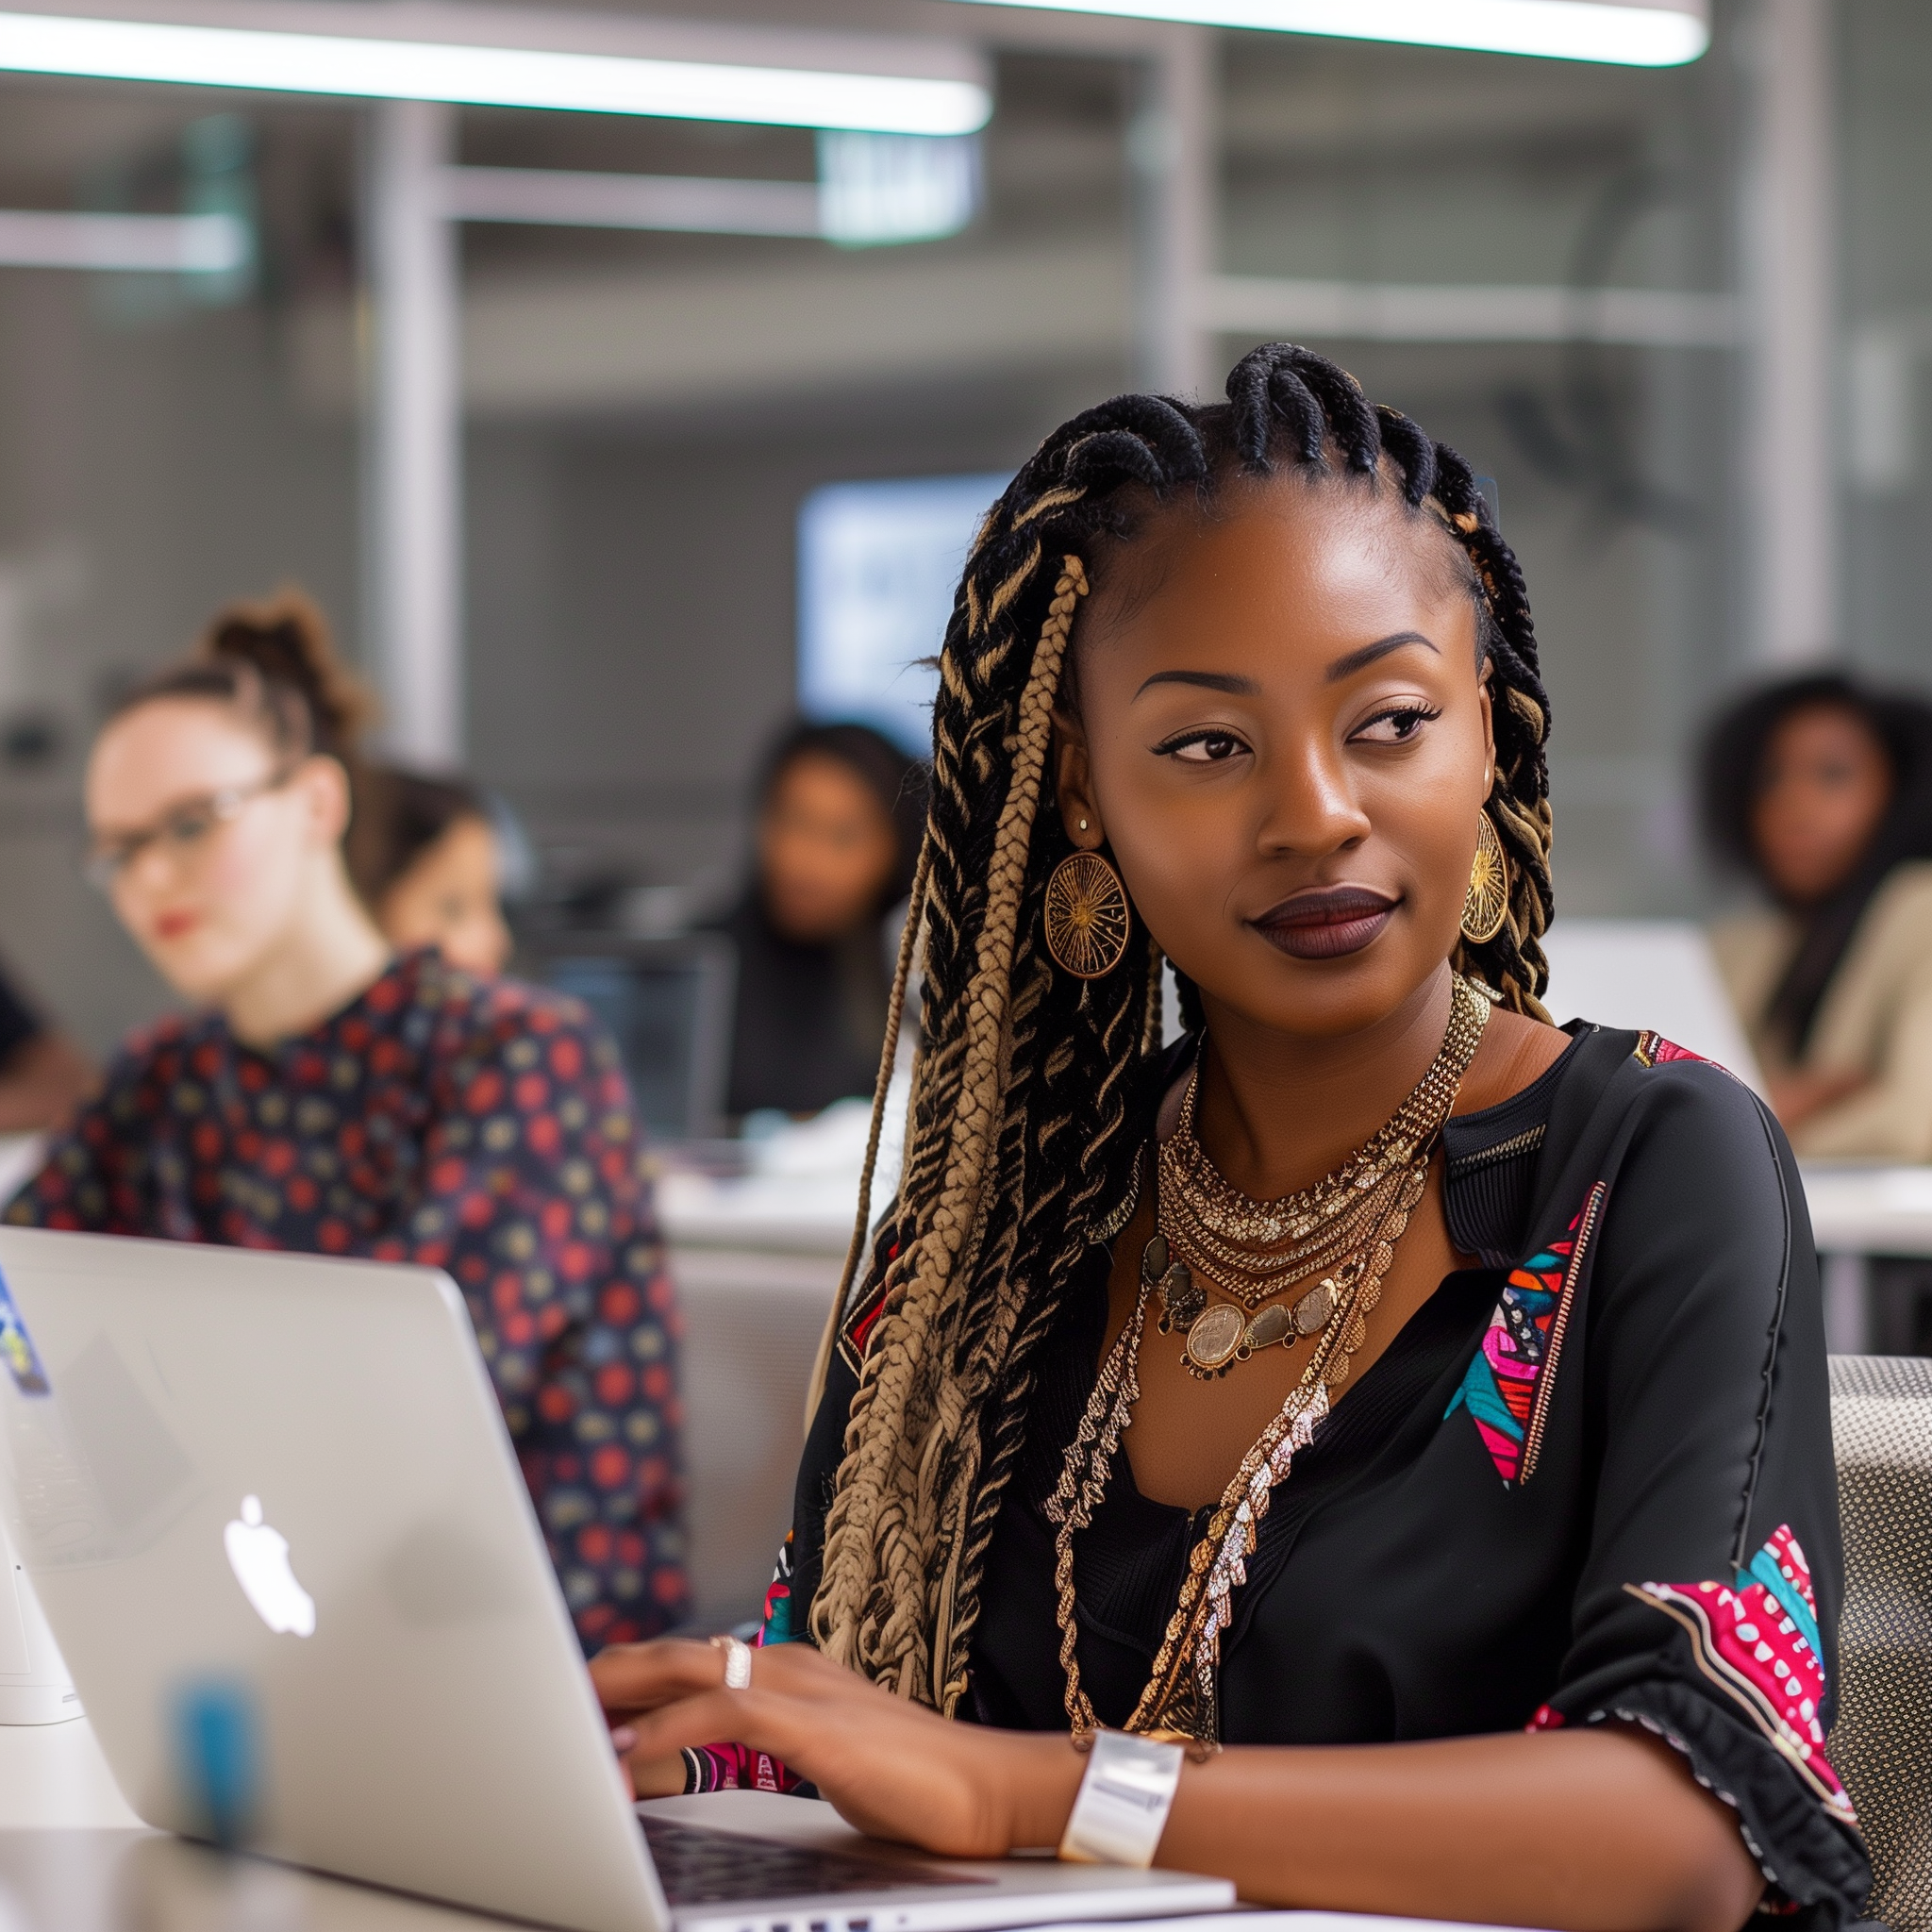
(1735, 1680)
(1814, 1863)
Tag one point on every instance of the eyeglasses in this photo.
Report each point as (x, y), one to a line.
(182, 832)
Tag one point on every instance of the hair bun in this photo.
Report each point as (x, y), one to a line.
(284, 638)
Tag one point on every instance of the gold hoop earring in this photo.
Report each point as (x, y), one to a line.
(1486, 904)
(1086, 919)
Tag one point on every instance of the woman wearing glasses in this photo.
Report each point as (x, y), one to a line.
(327, 1094)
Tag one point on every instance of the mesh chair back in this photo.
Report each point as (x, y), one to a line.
(1881, 1424)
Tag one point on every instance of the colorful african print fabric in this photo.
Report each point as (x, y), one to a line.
(775, 1625)
(1513, 1372)
(1756, 1637)
(1654, 1050)
(737, 1767)
(734, 1767)
(483, 1128)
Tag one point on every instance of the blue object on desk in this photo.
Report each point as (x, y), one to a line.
(218, 1747)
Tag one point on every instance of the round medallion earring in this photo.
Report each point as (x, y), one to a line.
(1085, 918)
(1486, 904)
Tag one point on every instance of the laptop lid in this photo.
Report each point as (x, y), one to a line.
(270, 1507)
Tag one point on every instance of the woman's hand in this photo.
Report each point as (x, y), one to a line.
(892, 1769)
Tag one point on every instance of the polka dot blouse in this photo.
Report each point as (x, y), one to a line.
(483, 1128)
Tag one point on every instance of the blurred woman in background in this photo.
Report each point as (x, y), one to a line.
(44, 1075)
(327, 1094)
(423, 854)
(840, 811)
(1822, 790)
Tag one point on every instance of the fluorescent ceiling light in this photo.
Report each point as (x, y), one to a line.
(881, 189)
(1628, 34)
(183, 245)
(503, 77)
(678, 204)
(1260, 306)
(873, 189)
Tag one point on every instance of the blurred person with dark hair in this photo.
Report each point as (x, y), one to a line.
(44, 1075)
(327, 1095)
(424, 854)
(840, 813)
(1821, 789)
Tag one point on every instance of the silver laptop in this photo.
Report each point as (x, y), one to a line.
(272, 1513)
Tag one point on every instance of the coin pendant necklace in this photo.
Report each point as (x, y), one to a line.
(1180, 1700)
(1348, 1223)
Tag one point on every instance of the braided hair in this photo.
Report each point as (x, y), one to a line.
(1018, 1149)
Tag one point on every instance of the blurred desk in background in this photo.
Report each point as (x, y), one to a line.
(751, 1323)
(1860, 1214)
(1870, 1210)
(757, 1252)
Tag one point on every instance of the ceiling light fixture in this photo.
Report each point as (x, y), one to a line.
(1625, 33)
(462, 71)
(181, 245)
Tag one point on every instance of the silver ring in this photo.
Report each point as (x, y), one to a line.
(736, 1662)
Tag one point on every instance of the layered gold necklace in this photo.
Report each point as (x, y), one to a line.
(1349, 1222)
(1210, 1231)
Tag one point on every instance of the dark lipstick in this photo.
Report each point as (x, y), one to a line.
(1327, 922)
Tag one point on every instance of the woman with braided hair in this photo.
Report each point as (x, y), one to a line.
(1377, 1366)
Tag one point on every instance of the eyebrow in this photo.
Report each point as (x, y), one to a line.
(1370, 653)
(1209, 681)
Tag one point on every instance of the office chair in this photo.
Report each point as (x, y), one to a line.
(1881, 1745)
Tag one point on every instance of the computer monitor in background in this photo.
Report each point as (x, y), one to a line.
(668, 1004)
(877, 566)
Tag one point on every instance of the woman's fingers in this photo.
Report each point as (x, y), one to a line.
(638, 1677)
(778, 1724)
(631, 1677)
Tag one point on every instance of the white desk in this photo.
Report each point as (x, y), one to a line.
(1870, 1210)
(1858, 1212)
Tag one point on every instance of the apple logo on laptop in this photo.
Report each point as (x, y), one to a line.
(260, 1558)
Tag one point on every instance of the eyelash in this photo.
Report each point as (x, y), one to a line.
(1418, 715)
(1173, 747)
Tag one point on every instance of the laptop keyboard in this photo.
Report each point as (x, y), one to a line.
(702, 1868)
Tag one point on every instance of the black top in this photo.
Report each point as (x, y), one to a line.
(1581, 1485)
(808, 1020)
